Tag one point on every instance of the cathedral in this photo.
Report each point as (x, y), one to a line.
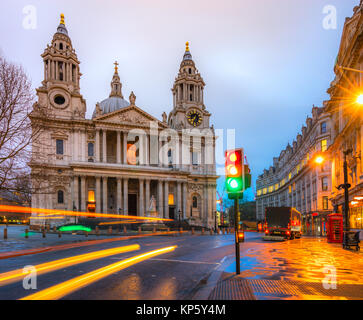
(122, 160)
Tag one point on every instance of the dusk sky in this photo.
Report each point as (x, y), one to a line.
(264, 62)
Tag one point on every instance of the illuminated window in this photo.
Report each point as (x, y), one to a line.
(270, 188)
(131, 154)
(324, 183)
(259, 192)
(289, 189)
(171, 199)
(294, 186)
(276, 186)
(325, 203)
(264, 190)
(324, 145)
(289, 175)
(307, 157)
(91, 196)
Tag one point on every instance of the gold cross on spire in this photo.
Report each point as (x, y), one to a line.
(187, 46)
(116, 64)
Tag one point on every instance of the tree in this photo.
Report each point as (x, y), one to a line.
(16, 130)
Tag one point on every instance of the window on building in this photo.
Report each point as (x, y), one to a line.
(290, 189)
(60, 196)
(325, 203)
(90, 149)
(170, 156)
(195, 202)
(289, 175)
(59, 146)
(171, 199)
(323, 127)
(195, 158)
(324, 183)
(324, 145)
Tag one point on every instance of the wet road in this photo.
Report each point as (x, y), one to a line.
(175, 275)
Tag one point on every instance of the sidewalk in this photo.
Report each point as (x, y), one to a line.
(291, 270)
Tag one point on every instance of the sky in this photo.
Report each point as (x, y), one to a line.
(265, 62)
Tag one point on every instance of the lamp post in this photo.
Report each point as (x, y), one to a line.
(179, 215)
(346, 187)
(215, 221)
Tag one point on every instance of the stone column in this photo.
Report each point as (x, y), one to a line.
(75, 193)
(141, 198)
(98, 194)
(126, 195)
(83, 145)
(166, 199)
(147, 196)
(206, 207)
(160, 199)
(83, 194)
(178, 200)
(118, 147)
(124, 147)
(118, 195)
(184, 200)
(97, 146)
(104, 145)
(104, 196)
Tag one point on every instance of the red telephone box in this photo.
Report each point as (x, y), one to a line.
(335, 228)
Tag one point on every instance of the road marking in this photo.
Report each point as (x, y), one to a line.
(185, 261)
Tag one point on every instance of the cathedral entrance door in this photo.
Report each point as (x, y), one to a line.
(132, 204)
(171, 212)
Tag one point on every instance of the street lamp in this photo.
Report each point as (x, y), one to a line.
(360, 99)
(215, 221)
(319, 160)
(179, 214)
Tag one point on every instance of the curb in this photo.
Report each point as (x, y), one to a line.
(208, 283)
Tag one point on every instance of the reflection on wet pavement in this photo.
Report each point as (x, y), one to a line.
(299, 260)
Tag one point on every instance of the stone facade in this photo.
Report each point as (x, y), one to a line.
(123, 160)
(347, 118)
(295, 180)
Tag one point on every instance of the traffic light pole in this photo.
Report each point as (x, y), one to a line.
(236, 224)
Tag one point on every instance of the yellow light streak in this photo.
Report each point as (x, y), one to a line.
(118, 222)
(60, 290)
(17, 209)
(16, 275)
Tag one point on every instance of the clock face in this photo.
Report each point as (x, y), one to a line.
(194, 117)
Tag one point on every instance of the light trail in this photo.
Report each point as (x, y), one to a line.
(17, 209)
(60, 290)
(16, 275)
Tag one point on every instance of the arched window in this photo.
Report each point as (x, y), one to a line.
(61, 46)
(60, 196)
(195, 202)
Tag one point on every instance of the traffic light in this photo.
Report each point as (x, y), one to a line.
(234, 171)
(248, 177)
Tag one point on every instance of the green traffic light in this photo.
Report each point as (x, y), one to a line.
(234, 184)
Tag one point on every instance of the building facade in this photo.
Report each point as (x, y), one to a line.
(296, 180)
(347, 118)
(122, 160)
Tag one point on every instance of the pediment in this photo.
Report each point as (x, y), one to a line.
(131, 115)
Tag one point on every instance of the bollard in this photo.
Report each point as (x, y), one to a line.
(192, 230)
(26, 234)
(217, 230)
(5, 233)
(154, 230)
(109, 230)
(86, 233)
(125, 230)
(48, 227)
(223, 231)
(97, 231)
(59, 234)
(43, 232)
(139, 230)
(211, 232)
(202, 231)
(181, 231)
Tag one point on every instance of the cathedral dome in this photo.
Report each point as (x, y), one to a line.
(111, 104)
(115, 101)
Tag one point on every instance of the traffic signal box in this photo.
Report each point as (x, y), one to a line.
(235, 182)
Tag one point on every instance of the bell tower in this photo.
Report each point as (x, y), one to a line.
(60, 89)
(188, 103)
